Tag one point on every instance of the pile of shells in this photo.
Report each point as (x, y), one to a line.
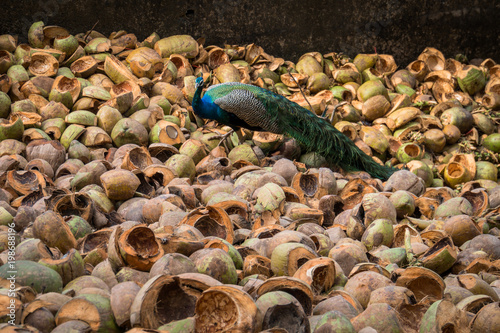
(121, 211)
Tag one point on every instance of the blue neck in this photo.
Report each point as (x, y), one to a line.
(204, 107)
(196, 103)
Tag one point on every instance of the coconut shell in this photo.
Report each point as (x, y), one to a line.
(422, 282)
(144, 311)
(35, 275)
(139, 248)
(486, 319)
(319, 273)
(69, 267)
(119, 184)
(280, 309)
(230, 309)
(53, 231)
(92, 309)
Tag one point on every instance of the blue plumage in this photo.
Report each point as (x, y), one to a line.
(243, 105)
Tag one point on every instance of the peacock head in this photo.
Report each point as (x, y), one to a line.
(199, 82)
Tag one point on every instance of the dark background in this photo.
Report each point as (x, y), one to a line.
(284, 28)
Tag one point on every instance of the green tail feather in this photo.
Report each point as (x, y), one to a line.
(316, 134)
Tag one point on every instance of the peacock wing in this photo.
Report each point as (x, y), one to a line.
(245, 105)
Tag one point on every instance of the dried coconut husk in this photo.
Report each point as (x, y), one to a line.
(106, 240)
(253, 53)
(75, 204)
(117, 71)
(339, 304)
(233, 207)
(279, 309)
(9, 163)
(461, 228)
(295, 287)
(217, 57)
(198, 281)
(292, 82)
(474, 303)
(316, 104)
(52, 151)
(182, 64)
(302, 215)
(162, 151)
(36, 315)
(179, 244)
(288, 257)
(96, 240)
(442, 194)
(421, 281)
(211, 221)
(95, 137)
(431, 234)
(31, 134)
(90, 174)
(43, 64)
(399, 235)
(29, 119)
(440, 257)
(136, 158)
(291, 194)
(152, 209)
(378, 316)
(217, 263)
(125, 87)
(363, 283)
(139, 247)
(53, 231)
(319, 273)
(37, 89)
(477, 286)
(229, 308)
(478, 199)
(486, 319)
(217, 243)
(354, 191)
(63, 85)
(129, 274)
(426, 207)
(402, 116)
(84, 67)
(69, 267)
(443, 315)
(433, 58)
(166, 132)
(70, 167)
(119, 184)
(337, 299)
(186, 193)
(257, 264)
(310, 185)
(105, 272)
(369, 267)
(122, 297)
(92, 309)
(482, 265)
(161, 300)
(35, 249)
(437, 83)
(24, 182)
(467, 161)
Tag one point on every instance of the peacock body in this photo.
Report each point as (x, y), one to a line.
(243, 105)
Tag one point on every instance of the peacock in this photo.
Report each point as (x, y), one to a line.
(243, 105)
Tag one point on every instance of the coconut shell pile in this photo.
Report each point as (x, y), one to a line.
(131, 215)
